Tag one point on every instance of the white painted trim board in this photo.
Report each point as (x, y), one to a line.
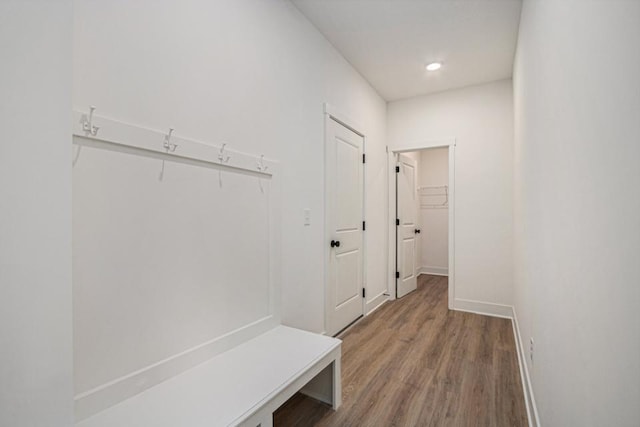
(484, 308)
(525, 378)
(434, 271)
(121, 133)
(344, 119)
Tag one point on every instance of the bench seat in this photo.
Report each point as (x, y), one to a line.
(242, 386)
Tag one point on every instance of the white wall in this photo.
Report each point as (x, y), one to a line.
(577, 208)
(35, 207)
(254, 74)
(434, 222)
(481, 120)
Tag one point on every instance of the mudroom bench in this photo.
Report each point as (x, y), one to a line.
(241, 387)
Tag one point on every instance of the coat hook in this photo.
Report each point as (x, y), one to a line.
(167, 142)
(87, 123)
(224, 158)
(261, 166)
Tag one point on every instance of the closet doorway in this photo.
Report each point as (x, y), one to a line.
(422, 208)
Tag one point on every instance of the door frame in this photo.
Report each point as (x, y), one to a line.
(332, 113)
(404, 147)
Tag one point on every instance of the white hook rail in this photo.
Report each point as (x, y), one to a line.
(128, 135)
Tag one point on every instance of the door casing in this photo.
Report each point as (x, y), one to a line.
(333, 114)
(404, 147)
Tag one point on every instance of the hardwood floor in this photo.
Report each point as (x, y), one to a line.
(415, 363)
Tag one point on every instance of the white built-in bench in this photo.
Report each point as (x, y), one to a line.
(240, 387)
(192, 340)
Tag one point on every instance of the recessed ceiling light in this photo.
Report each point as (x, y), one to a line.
(433, 66)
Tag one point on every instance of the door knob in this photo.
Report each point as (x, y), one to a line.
(417, 231)
(335, 243)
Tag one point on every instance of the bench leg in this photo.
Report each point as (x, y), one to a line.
(337, 384)
(327, 385)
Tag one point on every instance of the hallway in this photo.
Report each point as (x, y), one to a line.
(415, 363)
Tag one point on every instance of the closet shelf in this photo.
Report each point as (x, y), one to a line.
(434, 196)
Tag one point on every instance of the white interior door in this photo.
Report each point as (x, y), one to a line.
(344, 213)
(407, 227)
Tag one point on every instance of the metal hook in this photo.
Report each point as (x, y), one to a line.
(87, 123)
(167, 142)
(261, 166)
(224, 158)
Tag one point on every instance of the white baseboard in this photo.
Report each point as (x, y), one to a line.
(434, 271)
(375, 303)
(485, 308)
(527, 387)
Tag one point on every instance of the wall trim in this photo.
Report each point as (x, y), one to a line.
(375, 303)
(434, 271)
(344, 119)
(485, 308)
(422, 144)
(527, 386)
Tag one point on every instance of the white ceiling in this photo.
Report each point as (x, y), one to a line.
(390, 41)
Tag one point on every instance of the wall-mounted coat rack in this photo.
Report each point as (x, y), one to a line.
(167, 144)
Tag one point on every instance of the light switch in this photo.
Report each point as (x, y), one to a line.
(307, 217)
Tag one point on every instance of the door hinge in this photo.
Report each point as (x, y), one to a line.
(397, 274)
(397, 221)
(364, 225)
(364, 293)
(397, 169)
(363, 158)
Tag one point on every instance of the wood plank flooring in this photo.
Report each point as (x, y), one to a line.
(415, 363)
